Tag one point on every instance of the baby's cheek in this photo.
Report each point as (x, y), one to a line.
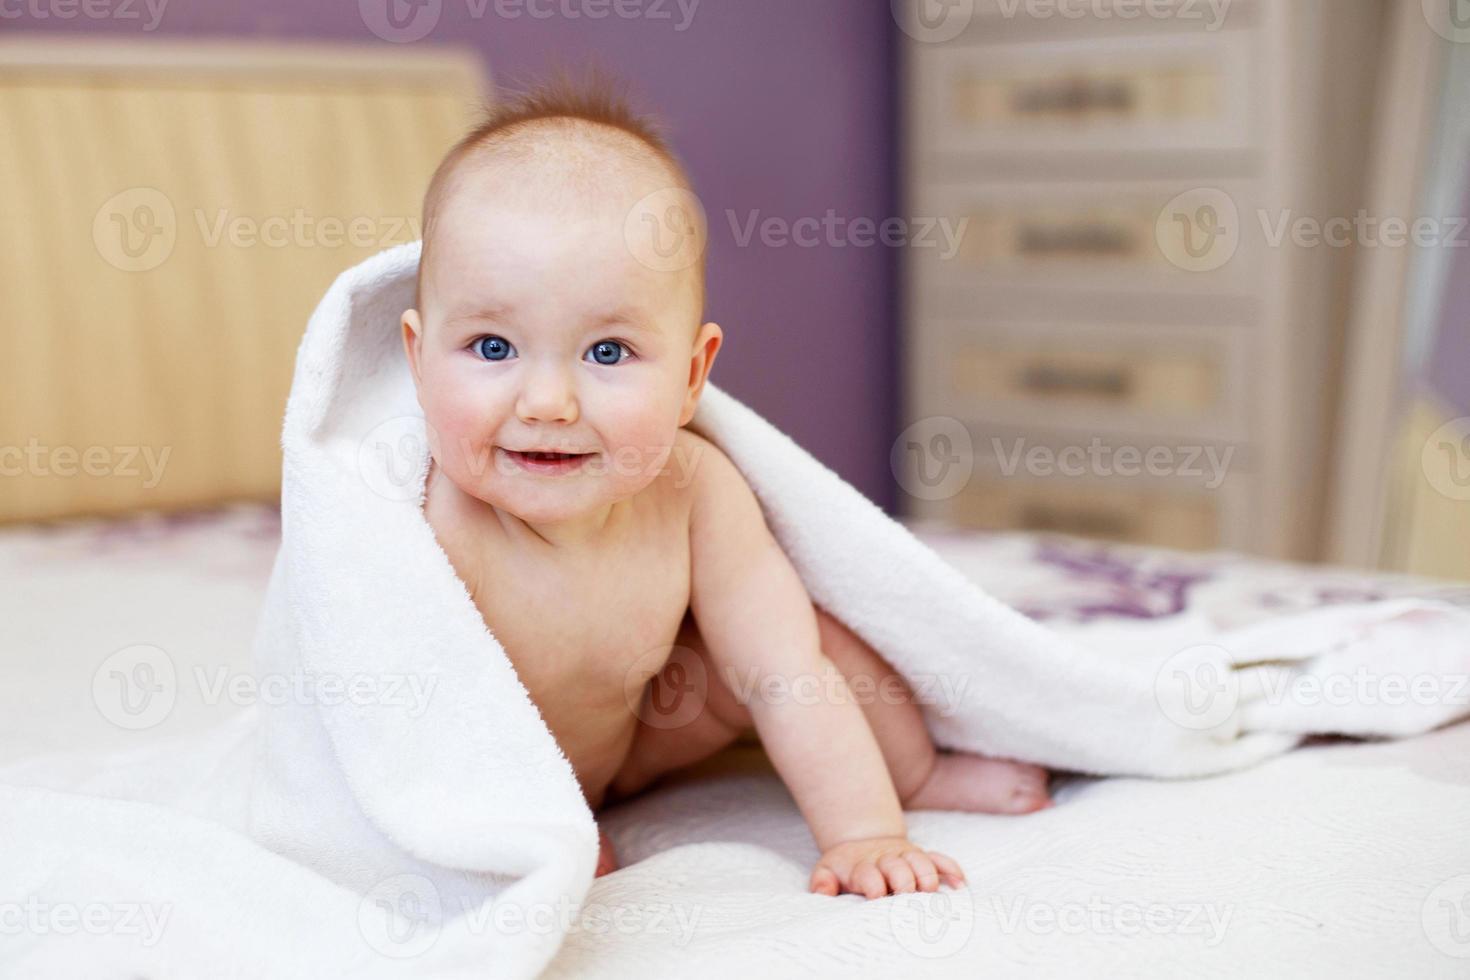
(456, 427)
(643, 449)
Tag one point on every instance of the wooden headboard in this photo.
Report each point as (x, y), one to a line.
(174, 213)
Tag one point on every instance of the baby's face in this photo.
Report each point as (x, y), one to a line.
(541, 330)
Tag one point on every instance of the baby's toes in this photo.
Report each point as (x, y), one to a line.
(1029, 793)
(607, 858)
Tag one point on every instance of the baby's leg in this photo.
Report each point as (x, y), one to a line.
(687, 715)
(926, 778)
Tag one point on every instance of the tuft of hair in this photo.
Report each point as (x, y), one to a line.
(596, 99)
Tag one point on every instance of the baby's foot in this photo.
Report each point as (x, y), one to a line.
(1019, 787)
(607, 858)
(979, 784)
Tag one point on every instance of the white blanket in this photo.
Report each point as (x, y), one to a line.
(425, 820)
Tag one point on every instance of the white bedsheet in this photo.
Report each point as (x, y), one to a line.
(1340, 859)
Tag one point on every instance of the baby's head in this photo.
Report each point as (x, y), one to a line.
(559, 304)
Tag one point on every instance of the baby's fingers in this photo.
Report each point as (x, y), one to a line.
(948, 867)
(824, 881)
(900, 876)
(866, 878)
(925, 874)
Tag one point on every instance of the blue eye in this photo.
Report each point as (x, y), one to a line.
(493, 348)
(608, 348)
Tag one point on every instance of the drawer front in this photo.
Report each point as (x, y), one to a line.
(1113, 237)
(1175, 384)
(1182, 493)
(1158, 518)
(1119, 377)
(1131, 94)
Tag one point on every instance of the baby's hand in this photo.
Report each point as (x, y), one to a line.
(878, 865)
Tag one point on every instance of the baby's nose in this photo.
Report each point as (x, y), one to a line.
(549, 395)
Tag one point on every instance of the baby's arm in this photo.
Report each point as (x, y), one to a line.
(758, 623)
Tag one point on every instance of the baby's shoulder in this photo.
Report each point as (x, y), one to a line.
(715, 487)
(701, 466)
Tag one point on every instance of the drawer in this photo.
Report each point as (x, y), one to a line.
(1191, 92)
(1171, 493)
(1161, 519)
(1121, 377)
(1127, 236)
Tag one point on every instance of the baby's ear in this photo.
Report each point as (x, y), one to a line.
(706, 346)
(413, 333)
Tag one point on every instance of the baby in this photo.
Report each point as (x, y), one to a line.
(557, 349)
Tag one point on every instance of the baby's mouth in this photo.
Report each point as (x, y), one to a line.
(548, 462)
(549, 457)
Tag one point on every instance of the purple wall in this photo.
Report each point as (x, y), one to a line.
(780, 106)
(1449, 365)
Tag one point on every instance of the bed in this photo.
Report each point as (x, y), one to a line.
(1342, 858)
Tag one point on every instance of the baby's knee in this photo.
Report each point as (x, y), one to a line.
(854, 657)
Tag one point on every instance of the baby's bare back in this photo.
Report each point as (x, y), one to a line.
(585, 630)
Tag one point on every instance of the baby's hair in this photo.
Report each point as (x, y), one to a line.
(596, 100)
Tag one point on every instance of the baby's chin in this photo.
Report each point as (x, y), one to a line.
(541, 499)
